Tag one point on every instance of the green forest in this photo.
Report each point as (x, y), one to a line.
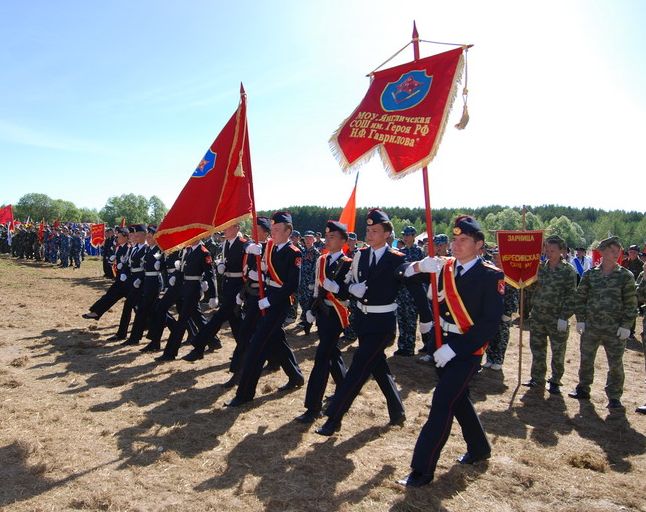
(578, 226)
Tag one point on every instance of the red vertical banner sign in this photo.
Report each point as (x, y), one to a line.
(520, 256)
(97, 234)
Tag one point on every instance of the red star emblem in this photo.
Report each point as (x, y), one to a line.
(408, 86)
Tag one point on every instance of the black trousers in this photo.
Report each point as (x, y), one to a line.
(269, 338)
(189, 308)
(132, 300)
(328, 360)
(145, 307)
(225, 313)
(369, 359)
(451, 398)
(117, 291)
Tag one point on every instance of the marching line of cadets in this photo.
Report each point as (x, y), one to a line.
(357, 293)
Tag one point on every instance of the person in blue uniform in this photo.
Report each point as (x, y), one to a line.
(117, 289)
(197, 267)
(229, 268)
(331, 315)
(471, 294)
(374, 283)
(153, 260)
(283, 261)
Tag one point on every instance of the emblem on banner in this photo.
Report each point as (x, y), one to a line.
(206, 164)
(407, 92)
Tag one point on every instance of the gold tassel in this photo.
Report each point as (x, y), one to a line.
(464, 120)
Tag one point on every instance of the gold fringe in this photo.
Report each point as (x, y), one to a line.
(348, 168)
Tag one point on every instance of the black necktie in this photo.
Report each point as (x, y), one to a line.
(226, 248)
(373, 262)
(459, 271)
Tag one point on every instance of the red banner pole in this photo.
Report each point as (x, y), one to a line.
(429, 224)
(254, 225)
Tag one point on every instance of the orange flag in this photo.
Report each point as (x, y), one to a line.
(349, 213)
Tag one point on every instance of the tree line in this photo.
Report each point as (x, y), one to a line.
(578, 226)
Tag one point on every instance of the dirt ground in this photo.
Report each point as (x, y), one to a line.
(90, 425)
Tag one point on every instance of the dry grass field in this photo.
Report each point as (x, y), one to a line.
(90, 425)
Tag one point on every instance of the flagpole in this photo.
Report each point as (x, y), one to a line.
(522, 314)
(254, 223)
(429, 223)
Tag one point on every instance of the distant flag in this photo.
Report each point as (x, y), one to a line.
(349, 213)
(97, 234)
(6, 215)
(41, 230)
(219, 192)
(123, 222)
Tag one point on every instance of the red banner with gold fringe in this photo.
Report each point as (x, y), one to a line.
(520, 256)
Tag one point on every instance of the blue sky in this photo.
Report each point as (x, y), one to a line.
(101, 99)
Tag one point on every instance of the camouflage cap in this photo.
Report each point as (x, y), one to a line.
(607, 242)
(555, 239)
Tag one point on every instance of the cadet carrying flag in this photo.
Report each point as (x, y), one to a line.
(403, 115)
(218, 193)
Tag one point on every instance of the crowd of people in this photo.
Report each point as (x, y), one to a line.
(376, 292)
(65, 245)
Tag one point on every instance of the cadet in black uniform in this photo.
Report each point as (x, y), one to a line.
(197, 266)
(230, 271)
(374, 285)
(471, 304)
(118, 288)
(331, 315)
(134, 282)
(152, 263)
(283, 261)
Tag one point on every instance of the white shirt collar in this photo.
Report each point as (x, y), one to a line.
(378, 253)
(335, 256)
(466, 266)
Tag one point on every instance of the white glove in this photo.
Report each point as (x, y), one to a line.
(623, 333)
(310, 286)
(204, 285)
(425, 327)
(177, 264)
(331, 286)
(112, 258)
(410, 270)
(137, 283)
(157, 265)
(580, 327)
(239, 300)
(123, 259)
(505, 318)
(561, 325)
(309, 316)
(171, 281)
(443, 355)
(263, 303)
(253, 275)
(220, 268)
(123, 277)
(431, 265)
(358, 289)
(119, 266)
(263, 266)
(213, 303)
(255, 249)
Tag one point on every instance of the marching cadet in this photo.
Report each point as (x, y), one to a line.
(350, 333)
(135, 277)
(373, 285)
(153, 259)
(306, 283)
(552, 306)
(406, 309)
(107, 253)
(197, 266)
(118, 289)
(471, 292)
(605, 308)
(283, 261)
(247, 300)
(229, 268)
(331, 315)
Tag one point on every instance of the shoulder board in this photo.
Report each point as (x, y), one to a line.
(490, 265)
(346, 259)
(204, 249)
(294, 248)
(395, 252)
(366, 248)
(243, 239)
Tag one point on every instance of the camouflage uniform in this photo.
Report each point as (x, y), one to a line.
(406, 309)
(605, 303)
(75, 249)
(553, 300)
(306, 283)
(641, 299)
(65, 250)
(498, 346)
